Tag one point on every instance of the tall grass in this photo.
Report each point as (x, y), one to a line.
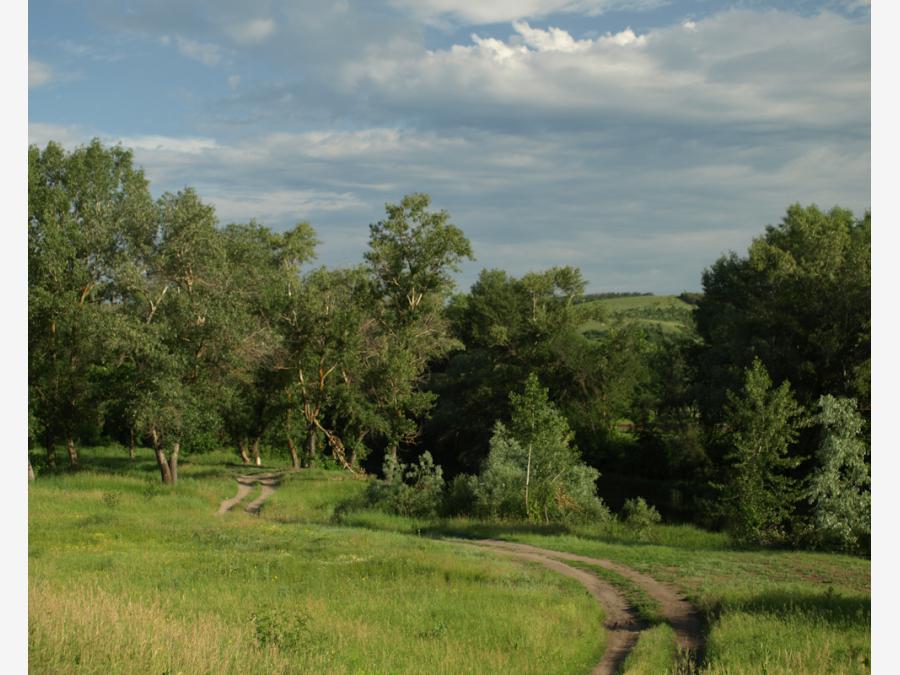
(126, 576)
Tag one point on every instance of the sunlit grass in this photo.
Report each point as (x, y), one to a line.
(126, 576)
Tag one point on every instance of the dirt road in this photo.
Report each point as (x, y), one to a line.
(268, 481)
(621, 620)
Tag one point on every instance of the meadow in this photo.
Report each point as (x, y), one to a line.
(127, 575)
(667, 314)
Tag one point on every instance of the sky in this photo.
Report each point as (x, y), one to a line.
(636, 140)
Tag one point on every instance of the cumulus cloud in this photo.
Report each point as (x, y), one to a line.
(39, 73)
(758, 69)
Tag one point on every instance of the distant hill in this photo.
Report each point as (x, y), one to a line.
(667, 314)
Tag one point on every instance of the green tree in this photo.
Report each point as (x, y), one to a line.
(333, 341)
(532, 469)
(263, 277)
(411, 257)
(838, 488)
(761, 423)
(89, 214)
(800, 301)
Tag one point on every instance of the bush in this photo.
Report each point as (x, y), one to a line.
(461, 495)
(408, 489)
(287, 631)
(639, 515)
(533, 471)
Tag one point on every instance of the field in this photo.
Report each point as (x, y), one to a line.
(667, 314)
(128, 576)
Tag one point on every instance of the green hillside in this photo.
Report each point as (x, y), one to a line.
(666, 314)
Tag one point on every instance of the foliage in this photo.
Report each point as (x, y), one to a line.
(799, 301)
(286, 631)
(408, 489)
(639, 515)
(838, 488)
(532, 471)
(760, 494)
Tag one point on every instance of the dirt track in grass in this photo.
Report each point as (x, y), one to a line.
(268, 481)
(621, 621)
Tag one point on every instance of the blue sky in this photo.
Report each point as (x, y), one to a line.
(636, 140)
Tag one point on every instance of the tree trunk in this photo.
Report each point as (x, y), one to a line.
(245, 458)
(527, 482)
(393, 450)
(295, 459)
(310, 444)
(30, 472)
(173, 462)
(161, 458)
(73, 453)
(51, 455)
(131, 445)
(256, 451)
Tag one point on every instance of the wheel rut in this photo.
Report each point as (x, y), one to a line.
(621, 620)
(268, 481)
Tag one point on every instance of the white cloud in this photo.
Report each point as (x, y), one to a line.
(502, 11)
(206, 53)
(177, 145)
(760, 69)
(233, 82)
(251, 32)
(39, 73)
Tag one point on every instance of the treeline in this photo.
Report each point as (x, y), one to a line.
(150, 324)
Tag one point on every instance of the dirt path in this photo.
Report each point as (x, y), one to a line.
(678, 612)
(268, 481)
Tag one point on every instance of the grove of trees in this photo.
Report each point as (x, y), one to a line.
(150, 324)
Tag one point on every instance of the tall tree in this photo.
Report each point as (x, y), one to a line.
(760, 493)
(89, 214)
(412, 254)
(263, 277)
(800, 301)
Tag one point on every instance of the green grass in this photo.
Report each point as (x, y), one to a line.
(667, 314)
(805, 612)
(127, 576)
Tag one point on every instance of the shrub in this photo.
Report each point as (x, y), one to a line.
(287, 631)
(408, 489)
(639, 515)
(532, 470)
(461, 495)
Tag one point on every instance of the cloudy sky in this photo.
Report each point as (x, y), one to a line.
(638, 140)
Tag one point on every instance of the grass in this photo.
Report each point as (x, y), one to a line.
(125, 576)
(667, 314)
(765, 611)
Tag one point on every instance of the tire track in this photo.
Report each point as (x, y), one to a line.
(678, 612)
(268, 481)
(621, 623)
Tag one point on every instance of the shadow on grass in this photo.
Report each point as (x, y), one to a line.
(829, 607)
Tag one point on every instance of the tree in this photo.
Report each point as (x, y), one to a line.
(800, 301)
(760, 494)
(411, 256)
(263, 277)
(532, 469)
(89, 214)
(332, 340)
(838, 488)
